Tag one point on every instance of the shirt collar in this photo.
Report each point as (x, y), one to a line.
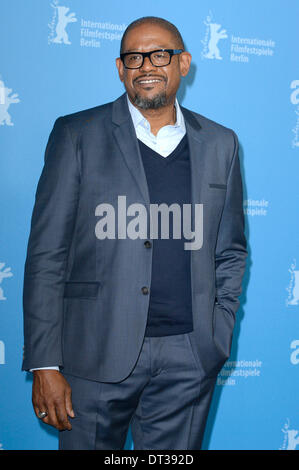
(139, 119)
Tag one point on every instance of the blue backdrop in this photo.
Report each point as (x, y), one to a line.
(58, 57)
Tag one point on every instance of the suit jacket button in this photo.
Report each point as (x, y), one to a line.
(147, 244)
(144, 290)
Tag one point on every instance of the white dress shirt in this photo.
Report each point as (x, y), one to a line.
(166, 140)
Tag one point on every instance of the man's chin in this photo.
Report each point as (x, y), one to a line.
(150, 102)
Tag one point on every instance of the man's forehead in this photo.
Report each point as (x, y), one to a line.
(150, 47)
(147, 37)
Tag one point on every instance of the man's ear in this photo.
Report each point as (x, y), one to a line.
(120, 68)
(185, 62)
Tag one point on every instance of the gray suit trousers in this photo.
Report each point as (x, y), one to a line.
(165, 400)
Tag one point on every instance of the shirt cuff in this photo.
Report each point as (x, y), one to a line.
(42, 368)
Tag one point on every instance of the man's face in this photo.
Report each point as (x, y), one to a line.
(145, 38)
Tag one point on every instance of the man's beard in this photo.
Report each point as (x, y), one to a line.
(156, 102)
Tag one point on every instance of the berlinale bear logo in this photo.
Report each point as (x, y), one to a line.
(293, 288)
(295, 101)
(212, 36)
(59, 22)
(6, 99)
(291, 439)
(3, 274)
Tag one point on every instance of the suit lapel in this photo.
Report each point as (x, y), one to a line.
(125, 136)
(198, 155)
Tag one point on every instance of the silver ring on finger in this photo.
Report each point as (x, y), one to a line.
(42, 414)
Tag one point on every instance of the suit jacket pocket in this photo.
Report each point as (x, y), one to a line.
(217, 186)
(81, 289)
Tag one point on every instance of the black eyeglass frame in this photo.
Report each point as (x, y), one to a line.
(171, 52)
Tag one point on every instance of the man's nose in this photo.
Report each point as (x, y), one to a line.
(147, 65)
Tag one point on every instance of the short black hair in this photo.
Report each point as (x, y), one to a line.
(153, 20)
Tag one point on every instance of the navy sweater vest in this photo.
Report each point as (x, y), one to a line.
(170, 304)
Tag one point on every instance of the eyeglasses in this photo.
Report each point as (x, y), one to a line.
(158, 58)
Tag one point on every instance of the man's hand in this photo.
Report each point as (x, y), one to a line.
(52, 393)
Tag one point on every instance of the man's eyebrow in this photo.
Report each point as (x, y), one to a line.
(154, 49)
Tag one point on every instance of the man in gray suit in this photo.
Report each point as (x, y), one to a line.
(126, 323)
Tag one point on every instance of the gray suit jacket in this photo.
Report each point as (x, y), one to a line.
(84, 307)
